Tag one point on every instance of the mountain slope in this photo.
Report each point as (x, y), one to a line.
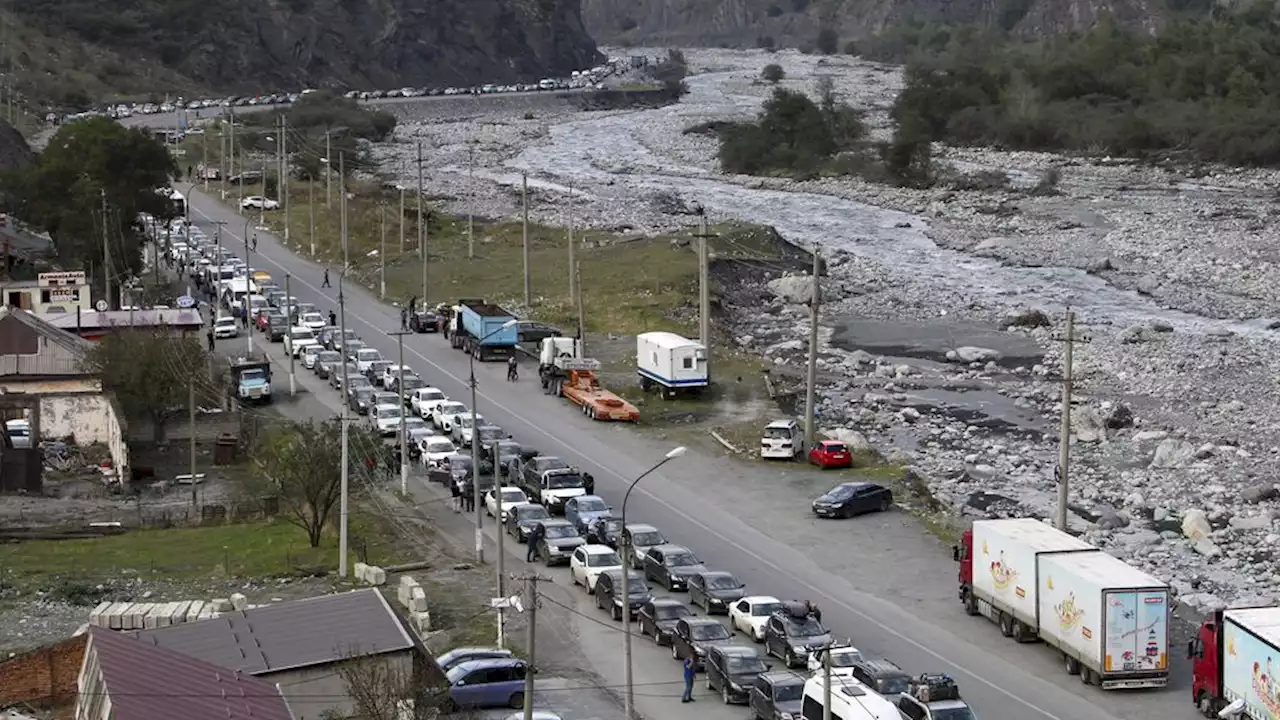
(250, 46)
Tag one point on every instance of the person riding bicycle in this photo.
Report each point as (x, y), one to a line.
(512, 369)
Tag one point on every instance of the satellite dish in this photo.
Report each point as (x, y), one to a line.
(186, 301)
(101, 306)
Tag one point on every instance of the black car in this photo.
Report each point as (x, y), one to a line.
(410, 383)
(792, 634)
(534, 333)
(326, 362)
(335, 375)
(714, 591)
(521, 519)
(853, 498)
(376, 369)
(608, 592)
(605, 531)
(671, 565)
(659, 616)
(559, 540)
(487, 435)
(276, 329)
(883, 676)
(776, 695)
(732, 670)
(693, 636)
(425, 321)
(360, 400)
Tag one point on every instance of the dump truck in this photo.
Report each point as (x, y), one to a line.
(565, 373)
(1109, 621)
(1235, 657)
(251, 379)
(484, 330)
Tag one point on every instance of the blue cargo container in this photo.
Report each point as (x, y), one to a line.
(481, 331)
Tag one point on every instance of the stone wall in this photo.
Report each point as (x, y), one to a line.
(44, 677)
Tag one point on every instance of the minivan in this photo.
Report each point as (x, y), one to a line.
(783, 440)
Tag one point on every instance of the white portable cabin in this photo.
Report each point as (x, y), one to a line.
(671, 362)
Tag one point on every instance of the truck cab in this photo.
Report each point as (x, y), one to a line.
(963, 555)
(1206, 672)
(251, 380)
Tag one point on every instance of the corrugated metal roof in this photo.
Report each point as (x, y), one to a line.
(292, 634)
(146, 682)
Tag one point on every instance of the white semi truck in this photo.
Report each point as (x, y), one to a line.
(1110, 621)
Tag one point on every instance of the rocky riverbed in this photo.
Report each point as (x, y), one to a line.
(942, 325)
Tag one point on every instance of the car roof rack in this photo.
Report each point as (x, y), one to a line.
(931, 687)
(798, 609)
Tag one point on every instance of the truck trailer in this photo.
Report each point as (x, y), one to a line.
(565, 373)
(670, 363)
(484, 330)
(1110, 621)
(1235, 657)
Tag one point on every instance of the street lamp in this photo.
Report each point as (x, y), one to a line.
(629, 697)
(475, 481)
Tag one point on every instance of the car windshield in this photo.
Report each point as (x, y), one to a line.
(591, 505)
(545, 464)
(791, 692)
(845, 658)
(431, 395)
(681, 560)
(328, 356)
(533, 512)
(844, 492)
(892, 685)
(414, 424)
(363, 394)
(460, 462)
(835, 448)
(312, 318)
(765, 609)
(440, 446)
(489, 433)
(513, 496)
(647, 539)
(561, 531)
(809, 627)
(776, 433)
(611, 525)
(253, 375)
(360, 381)
(464, 421)
(564, 481)
(368, 354)
(603, 560)
(302, 335)
(386, 398)
(959, 713)
(451, 408)
(411, 383)
(672, 612)
(723, 582)
(388, 411)
(636, 585)
(710, 631)
(746, 664)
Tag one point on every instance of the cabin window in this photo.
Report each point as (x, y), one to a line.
(688, 363)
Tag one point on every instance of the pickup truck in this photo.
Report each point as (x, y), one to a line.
(551, 487)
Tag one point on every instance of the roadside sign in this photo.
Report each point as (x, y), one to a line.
(101, 306)
(186, 301)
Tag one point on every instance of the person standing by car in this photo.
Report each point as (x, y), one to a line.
(469, 494)
(457, 495)
(333, 319)
(531, 550)
(209, 334)
(589, 483)
(690, 672)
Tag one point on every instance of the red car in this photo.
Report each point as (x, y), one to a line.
(831, 454)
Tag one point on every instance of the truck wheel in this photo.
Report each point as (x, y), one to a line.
(1073, 665)
(1207, 706)
(1087, 676)
(1006, 625)
(1020, 632)
(971, 604)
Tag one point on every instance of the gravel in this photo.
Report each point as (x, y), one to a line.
(941, 343)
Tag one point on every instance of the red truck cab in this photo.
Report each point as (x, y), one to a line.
(1206, 667)
(963, 554)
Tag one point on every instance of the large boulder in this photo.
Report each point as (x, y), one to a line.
(1025, 318)
(1087, 425)
(856, 441)
(796, 289)
(1172, 453)
(972, 354)
(1195, 524)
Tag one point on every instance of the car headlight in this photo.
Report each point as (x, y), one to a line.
(717, 601)
(786, 716)
(798, 650)
(700, 651)
(617, 601)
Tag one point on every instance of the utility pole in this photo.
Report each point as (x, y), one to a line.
(811, 378)
(191, 418)
(1064, 433)
(284, 173)
(240, 186)
(704, 281)
(342, 205)
(382, 252)
(531, 636)
(573, 293)
(328, 169)
(524, 202)
(404, 439)
(293, 380)
(826, 682)
(471, 201)
(475, 471)
(346, 436)
(248, 285)
(311, 214)
(106, 251)
(204, 164)
(401, 207)
(262, 209)
(422, 229)
(502, 573)
(582, 323)
(222, 160)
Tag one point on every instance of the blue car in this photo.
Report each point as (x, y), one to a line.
(584, 510)
(494, 682)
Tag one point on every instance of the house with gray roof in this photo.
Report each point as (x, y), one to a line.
(123, 678)
(300, 645)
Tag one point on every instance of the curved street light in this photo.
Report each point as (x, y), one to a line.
(625, 541)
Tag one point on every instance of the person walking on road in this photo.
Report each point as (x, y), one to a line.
(690, 672)
(325, 282)
(404, 318)
(531, 551)
(209, 334)
(254, 242)
(512, 369)
(469, 494)
(588, 483)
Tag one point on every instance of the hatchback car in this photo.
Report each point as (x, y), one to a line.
(777, 695)
(659, 616)
(457, 656)
(694, 636)
(671, 565)
(585, 509)
(732, 670)
(608, 592)
(715, 591)
(851, 499)
(521, 519)
(558, 542)
(831, 454)
(792, 634)
(494, 682)
(589, 561)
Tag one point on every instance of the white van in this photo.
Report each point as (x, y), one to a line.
(782, 439)
(850, 700)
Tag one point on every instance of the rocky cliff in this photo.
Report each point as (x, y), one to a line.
(795, 23)
(243, 46)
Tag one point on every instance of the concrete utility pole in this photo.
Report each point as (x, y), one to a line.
(826, 683)
(404, 435)
(582, 322)
(106, 253)
(502, 572)
(262, 209)
(342, 188)
(524, 202)
(531, 635)
(293, 380)
(204, 164)
(231, 152)
(191, 418)
(345, 417)
(475, 468)
(402, 189)
(328, 169)
(704, 281)
(422, 229)
(284, 173)
(1064, 434)
(240, 186)
(573, 265)
(811, 379)
(382, 252)
(471, 201)
(248, 295)
(311, 214)
(223, 154)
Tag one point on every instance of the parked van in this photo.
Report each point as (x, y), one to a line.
(782, 439)
(850, 700)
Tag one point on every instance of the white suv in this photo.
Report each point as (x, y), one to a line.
(298, 338)
(589, 561)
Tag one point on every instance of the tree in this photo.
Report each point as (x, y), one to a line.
(828, 41)
(301, 462)
(672, 71)
(84, 163)
(773, 73)
(149, 371)
(378, 688)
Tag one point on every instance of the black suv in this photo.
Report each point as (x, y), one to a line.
(522, 518)
(732, 669)
(793, 633)
(671, 565)
(605, 531)
(715, 591)
(882, 676)
(777, 695)
(694, 635)
(659, 616)
(609, 592)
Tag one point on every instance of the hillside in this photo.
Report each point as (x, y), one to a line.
(796, 23)
(236, 46)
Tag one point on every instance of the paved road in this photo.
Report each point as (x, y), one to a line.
(880, 580)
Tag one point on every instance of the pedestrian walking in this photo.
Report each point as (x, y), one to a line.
(413, 304)
(254, 243)
(512, 369)
(209, 334)
(404, 318)
(325, 282)
(690, 672)
(457, 495)
(531, 551)
(815, 611)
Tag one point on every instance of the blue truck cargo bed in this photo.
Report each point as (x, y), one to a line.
(484, 322)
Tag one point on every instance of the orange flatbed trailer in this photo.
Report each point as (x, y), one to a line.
(584, 389)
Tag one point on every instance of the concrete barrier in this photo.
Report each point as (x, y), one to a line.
(239, 602)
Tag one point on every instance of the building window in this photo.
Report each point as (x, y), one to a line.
(46, 297)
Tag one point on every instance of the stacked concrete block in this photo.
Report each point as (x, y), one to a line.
(148, 615)
(421, 621)
(220, 605)
(376, 576)
(194, 610)
(98, 616)
(405, 590)
(239, 602)
(360, 570)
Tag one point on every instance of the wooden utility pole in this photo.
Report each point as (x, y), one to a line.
(811, 379)
(1062, 472)
(524, 202)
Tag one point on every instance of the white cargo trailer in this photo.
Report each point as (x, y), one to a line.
(671, 363)
(1250, 660)
(1005, 570)
(1110, 620)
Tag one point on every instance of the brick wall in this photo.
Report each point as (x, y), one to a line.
(43, 677)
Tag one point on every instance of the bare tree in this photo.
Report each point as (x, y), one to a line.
(149, 371)
(380, 688)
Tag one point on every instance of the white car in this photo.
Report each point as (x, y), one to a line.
(462, 428)
(446, 413)
(842, 659)
(366, 357)
(313, 321)
(298, 338)
(386, 418)
(589, 561)
(226, 327)
(750, 614)
(435, 448)
(511, 496)
(310, 355)
(424, 399)
(391, 373)
(257, 202)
